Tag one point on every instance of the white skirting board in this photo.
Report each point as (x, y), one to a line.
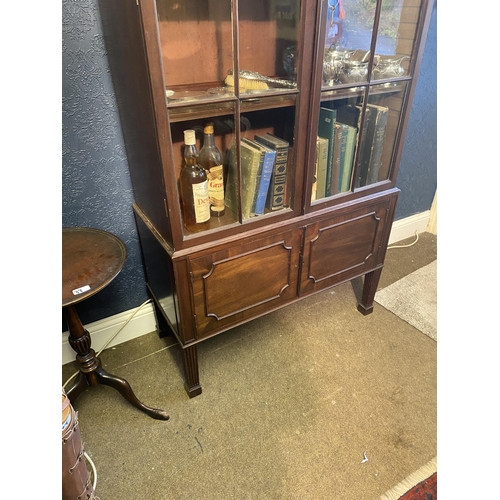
(101, 331)
(144, 322)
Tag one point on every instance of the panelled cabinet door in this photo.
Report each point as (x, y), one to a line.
(343, 247)
(243, 281)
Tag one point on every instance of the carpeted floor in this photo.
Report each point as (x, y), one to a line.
(414, 299)
(314, 401)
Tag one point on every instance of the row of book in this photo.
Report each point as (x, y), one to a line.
(263, 175)
(336, 146)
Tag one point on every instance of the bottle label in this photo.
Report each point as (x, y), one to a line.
(216, 188)
(201, 202)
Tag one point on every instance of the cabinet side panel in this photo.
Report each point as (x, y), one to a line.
(126, 54)
(159, 274)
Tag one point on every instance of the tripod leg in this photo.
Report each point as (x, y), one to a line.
(123, 387)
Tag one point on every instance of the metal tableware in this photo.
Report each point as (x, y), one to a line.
(354, 71)
(333, 64)
(389, 67)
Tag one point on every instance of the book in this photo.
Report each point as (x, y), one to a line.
(231, 182)
(365, 145)
(347, 167)
(268, 159)
(380, 115)
(251, 159)
(314, 188)
(343, 148)
(351, 115)
(336, 167)
(276, 195)
(326, 129)
(322, 154)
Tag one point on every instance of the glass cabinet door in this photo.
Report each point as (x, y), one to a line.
(366, 60)
(196, 44)
(203, 45)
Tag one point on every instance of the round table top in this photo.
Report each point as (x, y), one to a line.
(91, 259)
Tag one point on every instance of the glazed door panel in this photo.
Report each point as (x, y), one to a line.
(342, 247)
(244, 281)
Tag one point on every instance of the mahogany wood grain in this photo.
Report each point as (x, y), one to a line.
(92, 258)
(196, 280)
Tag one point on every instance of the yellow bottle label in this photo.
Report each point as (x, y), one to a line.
(216, 188)
(201, 202)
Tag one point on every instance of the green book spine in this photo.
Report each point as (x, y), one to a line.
(343, 145)
(250, 163)
(322, 167)
(352, 133)
(336, 167)
(365, 145)
(381, 114)
(326, 129)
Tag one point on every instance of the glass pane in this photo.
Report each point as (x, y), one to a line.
(266, 158)
(338, 125)
(349, 28)
(196, 46)
(222, 118)
(269, 32)
(396, 36)
(380, 127)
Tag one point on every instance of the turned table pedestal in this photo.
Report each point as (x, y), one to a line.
(91, 259)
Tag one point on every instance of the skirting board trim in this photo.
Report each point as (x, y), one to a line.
(101, 331)
(144, 321)
(405, 228)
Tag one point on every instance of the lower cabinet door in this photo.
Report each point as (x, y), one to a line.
(342, 247)
(246, 280)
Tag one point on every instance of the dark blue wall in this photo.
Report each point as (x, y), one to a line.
(96, 189)
(417, 176)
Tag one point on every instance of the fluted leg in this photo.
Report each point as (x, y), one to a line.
(190, 361)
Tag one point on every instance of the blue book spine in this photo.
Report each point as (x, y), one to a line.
(265, 180)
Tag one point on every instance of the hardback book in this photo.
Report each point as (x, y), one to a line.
(351, 115)
(380, 115)
(268, 161)
(251, 164)
(365, 147)
(231, 182)
(345, 181)
(322, 154)
(315, 178)
(343, 148)
(326, 129)
(336, 167)
(276, 195)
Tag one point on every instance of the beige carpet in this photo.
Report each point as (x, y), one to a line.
(414, 299)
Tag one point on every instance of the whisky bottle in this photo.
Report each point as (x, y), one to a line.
(211, 160)
(194, 187)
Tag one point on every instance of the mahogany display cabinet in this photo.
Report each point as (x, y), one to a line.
(332, 80)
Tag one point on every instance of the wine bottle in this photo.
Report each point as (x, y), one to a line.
(211, 160)
(194, 187)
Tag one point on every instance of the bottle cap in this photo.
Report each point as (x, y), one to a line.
(189, 137)
(209, 128)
